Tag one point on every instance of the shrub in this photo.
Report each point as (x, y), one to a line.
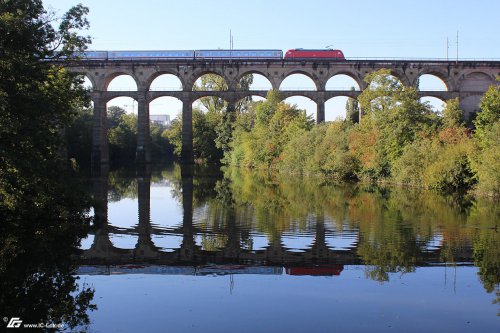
(451, 170)
(409, 168)
(488, 163)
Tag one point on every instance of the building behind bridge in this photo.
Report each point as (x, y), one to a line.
(160, 119)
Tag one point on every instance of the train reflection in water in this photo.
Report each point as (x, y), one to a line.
(209, 270)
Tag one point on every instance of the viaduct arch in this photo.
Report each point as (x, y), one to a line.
(467, 80)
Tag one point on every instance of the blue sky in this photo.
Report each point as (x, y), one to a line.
(361, 28)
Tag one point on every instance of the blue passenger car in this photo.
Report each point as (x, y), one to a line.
(125, 55)
(94, 55)
(238, 54)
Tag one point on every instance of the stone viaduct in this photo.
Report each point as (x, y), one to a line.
(467, 80)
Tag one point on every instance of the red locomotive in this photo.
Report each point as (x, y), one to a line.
(314, 54)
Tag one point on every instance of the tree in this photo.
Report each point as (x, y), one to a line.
(275, 123)
(115, 113)
(161, 148)
(122, 133)
(352, 109)
(42, 209)
(489, 114)
(220, 116)
(394, 116)
(79, 136)
(486, 137)
(487, 163)
(38, 98)
(213, 82)
(453, 116)
(204, 135)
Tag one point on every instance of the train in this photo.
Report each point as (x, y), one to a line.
(294, 54)
(314, 54)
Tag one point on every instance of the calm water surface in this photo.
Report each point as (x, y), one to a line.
(235, 251)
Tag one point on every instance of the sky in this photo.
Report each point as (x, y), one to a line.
(361, 28)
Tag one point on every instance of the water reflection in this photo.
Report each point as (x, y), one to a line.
(39, 239)
(260, 220)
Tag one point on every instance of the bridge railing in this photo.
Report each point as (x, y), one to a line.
(421, 59)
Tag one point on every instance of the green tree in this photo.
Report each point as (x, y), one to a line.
(220, 115)
(259, 142)
(43, 211)
(38, 98)
(453, 116)
(322, 150)
(161, 148)
(122, 133)
(395, 116)
(204, 135)
(114, 116)
(352, 109)
(299, 155)
(79, 136)
(487, 159)
(486, 137)
(212, 82)
(489, 114)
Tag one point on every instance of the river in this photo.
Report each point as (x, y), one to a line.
(186, 250)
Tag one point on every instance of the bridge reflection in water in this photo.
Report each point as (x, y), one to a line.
(326, 255)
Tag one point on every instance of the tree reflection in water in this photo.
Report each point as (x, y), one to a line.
(394, 230)
(40, 235)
